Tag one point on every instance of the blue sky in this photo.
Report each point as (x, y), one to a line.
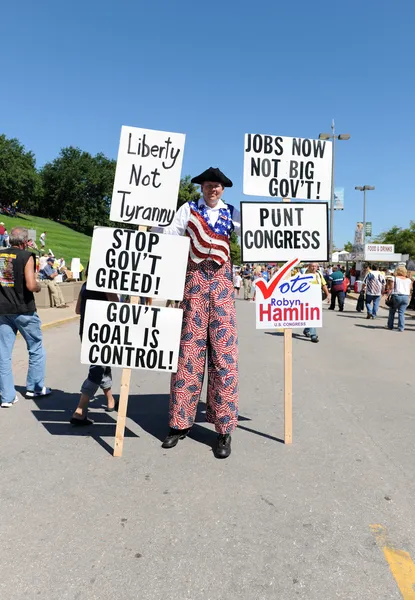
(73, 72)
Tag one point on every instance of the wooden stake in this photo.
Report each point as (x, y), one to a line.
(124, 393)
(288, 378)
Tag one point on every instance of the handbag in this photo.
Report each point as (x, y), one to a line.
(390, 303)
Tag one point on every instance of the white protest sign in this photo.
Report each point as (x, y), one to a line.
(287, 167)
(147, 176)
(288, 303)
(275, 231)
(139, 263)
(132, 336)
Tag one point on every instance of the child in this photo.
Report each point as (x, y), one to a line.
(98, 375)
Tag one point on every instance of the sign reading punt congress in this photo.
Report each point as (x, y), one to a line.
(288, 303)
(275, 231)
(147, 177)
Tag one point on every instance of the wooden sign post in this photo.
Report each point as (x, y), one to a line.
(288, 378)
(124, 393)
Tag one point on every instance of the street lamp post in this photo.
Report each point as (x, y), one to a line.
(332, 136)
(363, 189)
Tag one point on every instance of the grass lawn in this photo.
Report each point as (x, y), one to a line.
(62, 240)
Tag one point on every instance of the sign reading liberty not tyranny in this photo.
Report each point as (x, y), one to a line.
(286, 167)
(147, 176)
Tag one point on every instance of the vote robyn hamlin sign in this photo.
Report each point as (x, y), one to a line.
(139, 263)
(147, 176)
(132, 336)
(275, 231)
(288, 303)
(287, 167)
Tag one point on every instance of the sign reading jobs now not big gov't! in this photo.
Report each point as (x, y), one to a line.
(287, 167)
(277, 231)
(288, 303)
(140, 263)
(132, 336)
(147, 176)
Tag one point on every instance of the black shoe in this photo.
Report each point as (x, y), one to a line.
(315, 339)
(368, 316)
(222, 448)
(81, 422)
(174, 436)
(306, 333)
(330, 308)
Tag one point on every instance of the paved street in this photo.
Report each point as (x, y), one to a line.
(271, 522)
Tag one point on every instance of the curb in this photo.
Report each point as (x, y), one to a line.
(59, 322)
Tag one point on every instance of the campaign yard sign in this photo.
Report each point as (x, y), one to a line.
(147, 176)
(287, 167)
(275, 231)
(139, 263)
(288, 303)
(132, 336)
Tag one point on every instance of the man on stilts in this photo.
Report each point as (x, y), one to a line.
(209, 320)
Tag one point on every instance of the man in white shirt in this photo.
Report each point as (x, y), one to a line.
(209, 320)
(373, 285)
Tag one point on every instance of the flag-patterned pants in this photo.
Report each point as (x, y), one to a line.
(209, 327)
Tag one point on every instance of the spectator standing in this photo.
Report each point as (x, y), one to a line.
(237, 280)
(400, 288)
(247, 281)
(42, 240)
(6, 242)
(373, 285)
(48, 274)
(337, 288)
(2, 232)
(18, 313)
(318, 279)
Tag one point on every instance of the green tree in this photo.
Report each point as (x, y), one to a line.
(348, 247)
(404, 239)
(77, 188)
(187, 191)
(235, 249)
(19, 180)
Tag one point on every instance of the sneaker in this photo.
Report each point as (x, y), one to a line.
(315, 339)
(9, 404)
(306, 333)
(45, 392)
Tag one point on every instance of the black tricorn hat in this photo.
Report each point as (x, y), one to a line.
(213, 174)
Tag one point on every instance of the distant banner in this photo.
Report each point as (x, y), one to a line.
(368, 228)
(339, 199)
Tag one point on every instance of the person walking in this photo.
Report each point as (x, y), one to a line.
(399, 288)
(337, 288)
(48, 274)
(374, 286)
(18, 314)
(209, 318)
(2, 232)
(237, 280)
(42, 239)
(318, 279)
(247, 281)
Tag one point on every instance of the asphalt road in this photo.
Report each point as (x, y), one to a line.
(271, 522)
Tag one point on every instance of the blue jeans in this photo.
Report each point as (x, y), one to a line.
(400, 302)
(340, 295)
(311, 330)
(29, 327)
(376, 302)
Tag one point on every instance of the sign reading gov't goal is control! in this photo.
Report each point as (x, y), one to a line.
(277, 231)
(285, 167)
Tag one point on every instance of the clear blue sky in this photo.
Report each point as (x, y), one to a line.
(73, 72)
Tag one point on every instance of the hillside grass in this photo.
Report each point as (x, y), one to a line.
(62, 240)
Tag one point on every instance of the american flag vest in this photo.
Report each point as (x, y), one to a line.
(209, 241)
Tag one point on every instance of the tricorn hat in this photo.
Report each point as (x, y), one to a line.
(213, 174)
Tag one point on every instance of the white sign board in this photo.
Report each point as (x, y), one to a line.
(76, 267)
(287, 167)
(31, 234)
(132, 336)
(139, 263)
(147, 176)
(275, 231)
(288, 303)
(379, 249)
